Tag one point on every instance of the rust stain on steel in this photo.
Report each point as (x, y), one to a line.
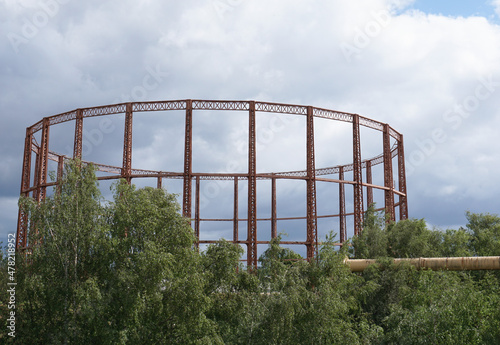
(34, 179)
(127, 145)
(358, 176)
(252, 189)
(188, 165)
(342, 214)
(312, 219)
(388, 181)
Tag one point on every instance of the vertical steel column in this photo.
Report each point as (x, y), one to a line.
(43, 155)
(36, 173)
(252, 191)
(274, 225)
(36, 190)
(197, 212)
(358, 177)
(342, 217)
(188, 170)
(403, 202)
(235, 211)
(22, 219)
(60, 172)
(159, 183)
(77, 151)
(127, 145)
(41, 167)
(388, 177)
(369, 180)
(312, 230)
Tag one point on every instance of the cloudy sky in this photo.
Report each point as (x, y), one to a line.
(429, 68)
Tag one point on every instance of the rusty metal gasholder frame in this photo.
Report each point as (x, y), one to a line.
(36, 186)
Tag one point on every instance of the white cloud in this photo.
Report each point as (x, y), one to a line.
(496, 5)
(408, 69)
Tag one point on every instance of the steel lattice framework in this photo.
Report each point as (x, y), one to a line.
(36, 186)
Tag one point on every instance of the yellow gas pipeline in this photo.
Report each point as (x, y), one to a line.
(474, 263)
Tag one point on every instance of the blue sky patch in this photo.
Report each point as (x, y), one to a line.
(462, 8)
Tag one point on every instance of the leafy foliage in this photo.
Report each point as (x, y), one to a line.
(485, 232)
(124, 273)
(372, 242)
(128, 272)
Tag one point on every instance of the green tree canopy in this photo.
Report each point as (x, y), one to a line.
(119, 273)
(485, 232)
(128, 272)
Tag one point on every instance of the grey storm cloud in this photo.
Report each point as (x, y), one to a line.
(429, 76)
